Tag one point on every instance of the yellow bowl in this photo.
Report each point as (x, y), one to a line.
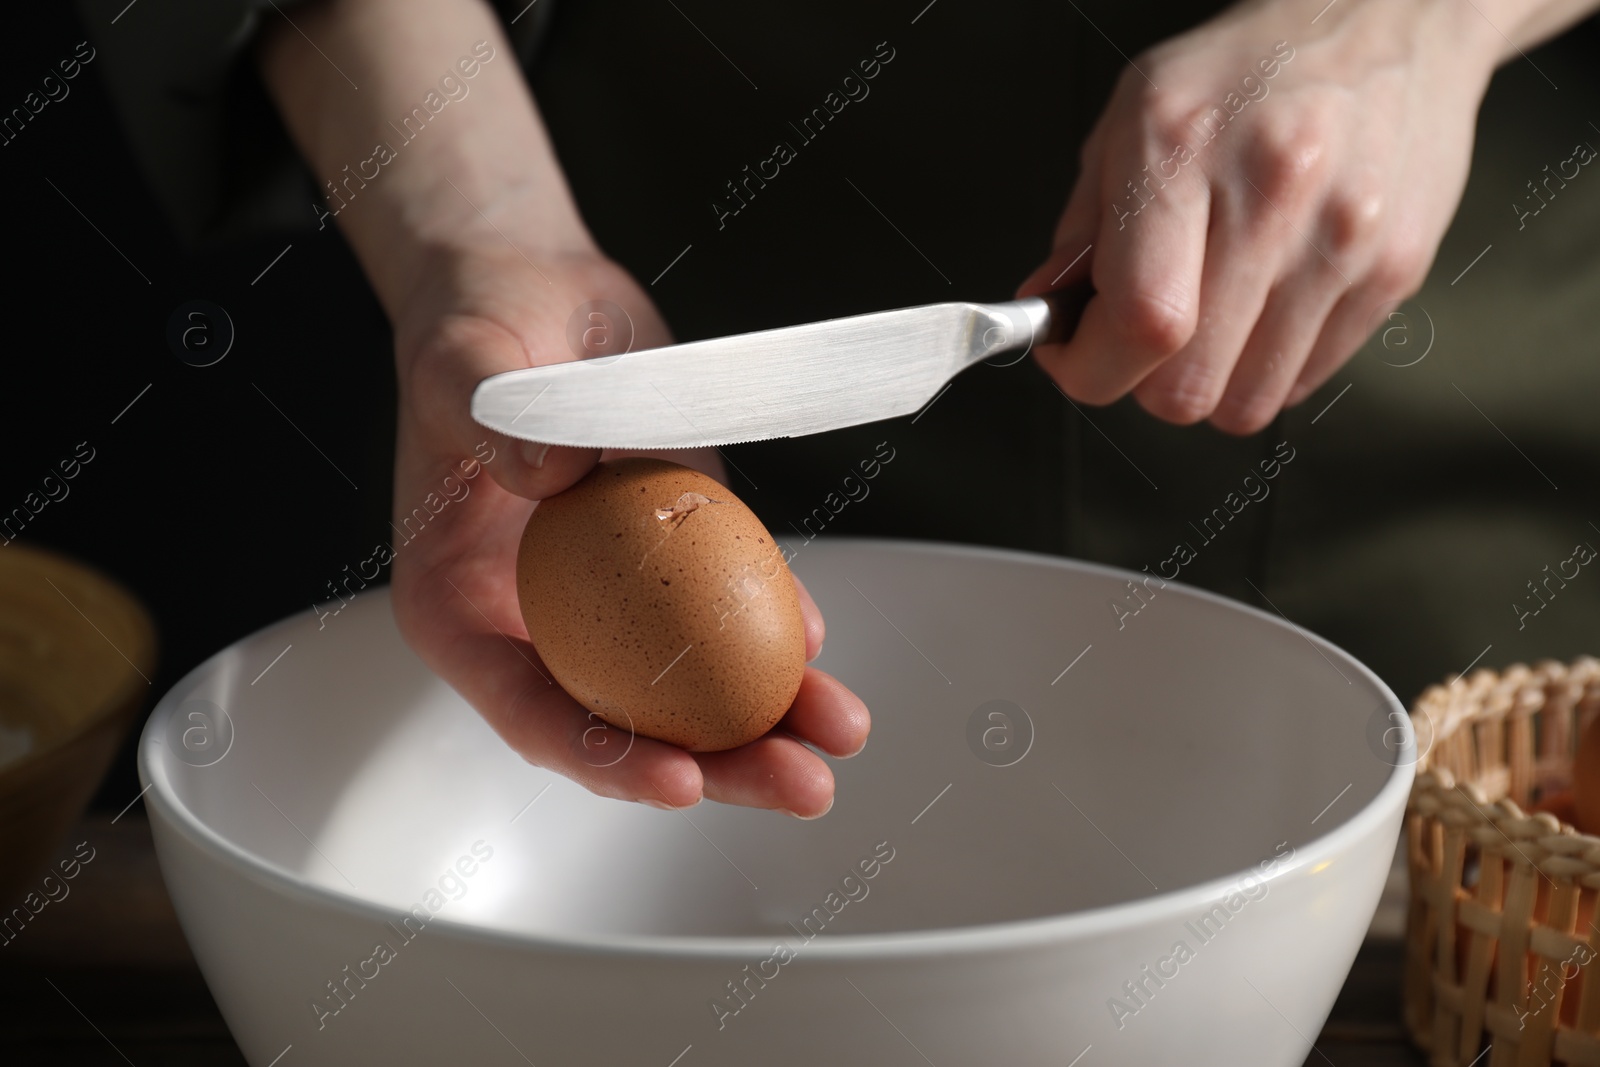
(77, 653)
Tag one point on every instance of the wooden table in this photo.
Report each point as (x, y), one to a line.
(108, 979)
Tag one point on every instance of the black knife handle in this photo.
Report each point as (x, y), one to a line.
(1066, 308)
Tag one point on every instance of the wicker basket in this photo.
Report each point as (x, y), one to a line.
(1500, 940)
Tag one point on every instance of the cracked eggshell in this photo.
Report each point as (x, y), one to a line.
(660, 602)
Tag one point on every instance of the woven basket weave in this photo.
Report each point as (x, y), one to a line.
(1501, 950)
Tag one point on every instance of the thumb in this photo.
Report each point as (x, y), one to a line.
(436, 395)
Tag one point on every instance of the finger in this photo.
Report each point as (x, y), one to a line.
(773, 771)
(811, 615)
(437, 394)
(1268, 197)
(458, 620)
(1394, 274)
(828, 715)
(1068, 261)
(1277, 349)
(1241, 261)
(1346, 329)
(1148, 260)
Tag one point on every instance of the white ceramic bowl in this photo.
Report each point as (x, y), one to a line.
(996, 891)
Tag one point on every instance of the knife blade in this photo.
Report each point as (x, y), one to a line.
(785, 382)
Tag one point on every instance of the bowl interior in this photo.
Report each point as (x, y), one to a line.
(1188, 744)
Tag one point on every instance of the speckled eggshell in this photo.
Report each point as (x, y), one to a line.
(663, 614)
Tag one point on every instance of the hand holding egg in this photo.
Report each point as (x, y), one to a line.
(479, 311)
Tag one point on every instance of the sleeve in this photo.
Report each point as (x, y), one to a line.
(198, 118)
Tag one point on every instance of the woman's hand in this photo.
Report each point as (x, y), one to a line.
(477, 313)
(1248, 219)
(474, 246)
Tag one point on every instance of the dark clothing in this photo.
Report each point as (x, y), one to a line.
(1420, 514)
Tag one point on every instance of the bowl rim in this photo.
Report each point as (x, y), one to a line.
(1174, 904)
(121, 706)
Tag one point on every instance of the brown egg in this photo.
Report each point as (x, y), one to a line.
(1559, 804)
(661, 603)
(1586, 779)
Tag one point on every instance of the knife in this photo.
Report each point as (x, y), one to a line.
(787, 382)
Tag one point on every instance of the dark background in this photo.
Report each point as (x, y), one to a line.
(222, 517)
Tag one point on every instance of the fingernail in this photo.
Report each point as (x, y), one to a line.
(857, 752)
(534, 452)
(809, 818)
(664, 806)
